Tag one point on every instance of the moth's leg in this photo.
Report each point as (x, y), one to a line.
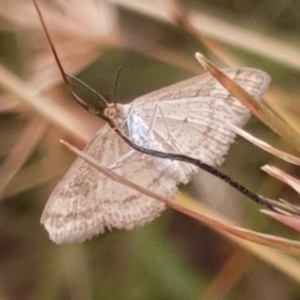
(126, 120)
(153, 120)
(109, 131)
(117, 163)
(170, 140)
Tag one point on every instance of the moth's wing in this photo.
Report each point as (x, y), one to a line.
(192, 116)
(85, 202)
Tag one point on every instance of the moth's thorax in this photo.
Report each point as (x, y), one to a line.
(116, 112)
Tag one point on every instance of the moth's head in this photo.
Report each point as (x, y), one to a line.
(113, 112)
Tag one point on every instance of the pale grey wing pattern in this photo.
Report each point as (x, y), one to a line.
(85, 202)
(191, 117)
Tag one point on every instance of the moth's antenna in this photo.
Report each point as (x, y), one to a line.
(62, 72)
(116, 83)
(88, 88)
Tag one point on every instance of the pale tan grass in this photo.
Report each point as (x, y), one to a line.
(23, 148)
(61, 116)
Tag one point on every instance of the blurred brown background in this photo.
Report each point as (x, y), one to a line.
(173, 257)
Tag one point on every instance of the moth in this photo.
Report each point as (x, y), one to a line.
(191, 117)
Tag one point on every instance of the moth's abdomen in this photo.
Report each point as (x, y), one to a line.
(141, 134)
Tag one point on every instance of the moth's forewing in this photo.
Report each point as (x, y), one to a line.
(85, 202)
(194, 115)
